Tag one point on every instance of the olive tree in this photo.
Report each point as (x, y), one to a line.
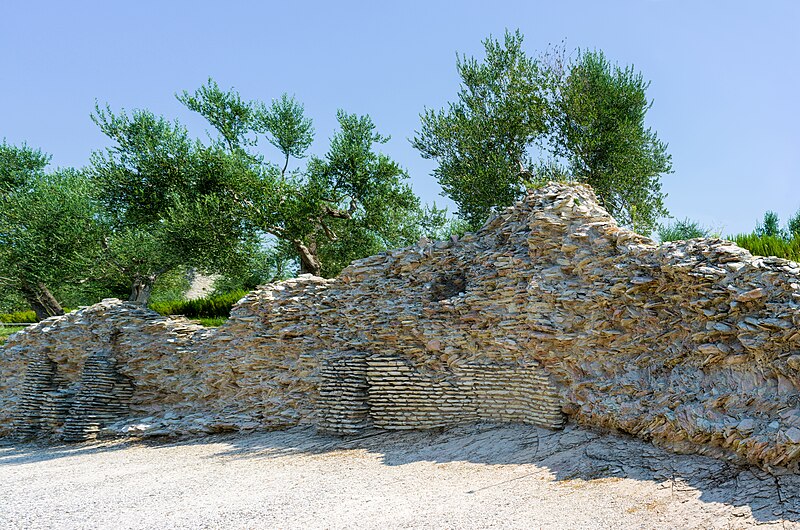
(48, 228)
(519, 120)
(597, 127)
(483, 140)
(167, 201)
(347, 204)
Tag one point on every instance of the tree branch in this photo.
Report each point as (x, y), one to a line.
(285, 165)
(276, 231)
(342, 214)
(328, 232)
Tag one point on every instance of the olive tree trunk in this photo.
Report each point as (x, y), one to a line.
(309, 261)
(142, 288)
(41, 300)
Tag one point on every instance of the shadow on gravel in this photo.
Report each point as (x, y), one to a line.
(573, 454)
(21, 453)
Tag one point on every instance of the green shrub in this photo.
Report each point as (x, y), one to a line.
(680, 230)
(18, 317)
(767, 245)
(218, 306)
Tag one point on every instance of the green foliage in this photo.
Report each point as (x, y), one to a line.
(237, 121)
(355, 201)
(263, 262)
(217, 306)
(142, 174)
(769, 245)
(481, 141)
(18, 317)
(682, 230)
(436, 224)
(167, 201)
(793, 226)
(20, 165)
(11, 301)
(49, 232)
(597, 126)
(286, 127)
(104, 283)
(171, 285)
(348, 204)
(769, 239)
(225, 111)
(586, 118)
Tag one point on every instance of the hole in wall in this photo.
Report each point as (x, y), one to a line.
(448, 285)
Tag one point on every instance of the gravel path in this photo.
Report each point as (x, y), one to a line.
(480, 476)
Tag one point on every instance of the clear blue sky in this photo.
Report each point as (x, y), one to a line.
(725, 75)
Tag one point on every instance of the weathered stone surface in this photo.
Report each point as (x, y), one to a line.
(549, 308)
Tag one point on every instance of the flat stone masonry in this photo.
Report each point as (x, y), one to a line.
(400, 397)
(550, 312)
(343, 403)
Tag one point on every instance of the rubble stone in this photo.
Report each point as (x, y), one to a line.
(550, 311)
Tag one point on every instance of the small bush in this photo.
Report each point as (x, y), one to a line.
(218, 306)
(681, 230)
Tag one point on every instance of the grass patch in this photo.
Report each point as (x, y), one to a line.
(212, 322)
(5, 331)
(769, 246)
(209, 307)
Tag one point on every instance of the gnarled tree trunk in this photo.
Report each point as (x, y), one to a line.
(41, 300)
(309, 261)
(142, 288)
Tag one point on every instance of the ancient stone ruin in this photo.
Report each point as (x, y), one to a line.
(549, 313)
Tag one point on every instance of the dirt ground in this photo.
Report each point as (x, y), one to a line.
(479, 476)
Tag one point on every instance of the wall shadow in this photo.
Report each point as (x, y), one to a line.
(572, 454)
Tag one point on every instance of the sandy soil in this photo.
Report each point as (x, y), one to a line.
(480, 476)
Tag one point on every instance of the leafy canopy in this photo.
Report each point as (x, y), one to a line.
(793, 226)
(224, 110)
(286, 127)
(20, 165)
(48, 228)
(597, 128)
(518, 121)
(350, 203)
(482, 140)
(770, 226)
(347, 205)
(167, 201)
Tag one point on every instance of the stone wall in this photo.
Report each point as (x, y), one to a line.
(550, 309)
